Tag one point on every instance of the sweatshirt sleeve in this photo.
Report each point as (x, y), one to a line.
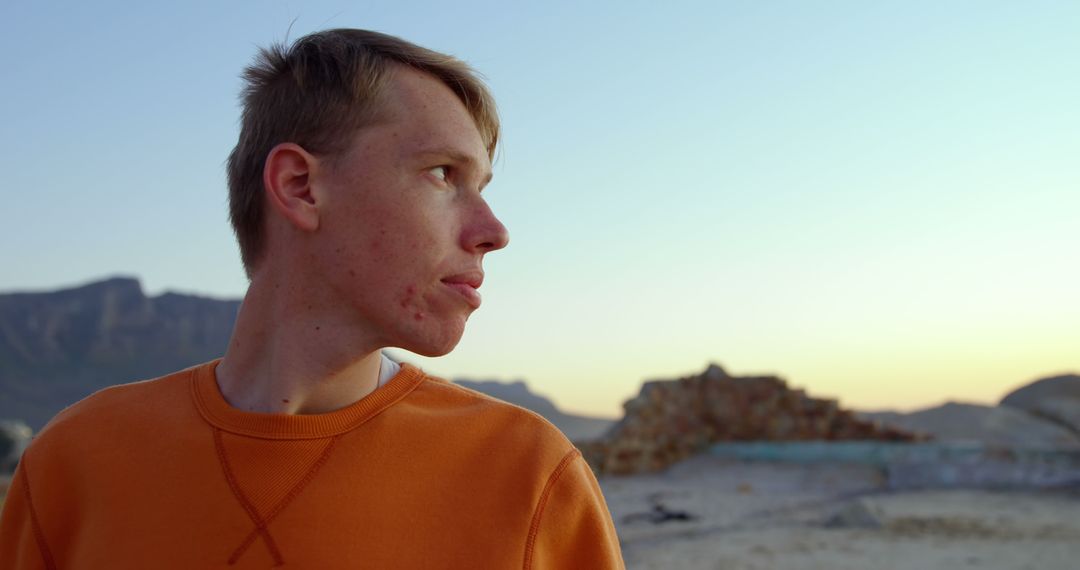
(20, 537)
(572, 527)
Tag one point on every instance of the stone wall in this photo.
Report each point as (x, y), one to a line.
(671, 420)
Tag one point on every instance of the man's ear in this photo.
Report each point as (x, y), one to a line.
(287, 180)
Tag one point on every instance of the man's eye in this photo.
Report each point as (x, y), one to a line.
(439, 172)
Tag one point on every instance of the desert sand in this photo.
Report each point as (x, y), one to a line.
(756, 515)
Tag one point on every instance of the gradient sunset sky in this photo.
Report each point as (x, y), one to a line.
(877, 201)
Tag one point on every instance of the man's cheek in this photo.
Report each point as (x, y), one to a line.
(407, 297)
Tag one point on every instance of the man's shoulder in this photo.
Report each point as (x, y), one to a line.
(484, 407)
(489, 418)
(112, 413)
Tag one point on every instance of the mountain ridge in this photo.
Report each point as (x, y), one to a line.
(57, 347)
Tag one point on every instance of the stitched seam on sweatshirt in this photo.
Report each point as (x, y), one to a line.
(534, 528)
(253, 514)
(39, 535)
(262, 524)
(284, 502)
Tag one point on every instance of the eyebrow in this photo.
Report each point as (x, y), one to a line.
(455, 156)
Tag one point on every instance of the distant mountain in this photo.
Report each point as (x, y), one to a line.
(58, 347)
(577, 428)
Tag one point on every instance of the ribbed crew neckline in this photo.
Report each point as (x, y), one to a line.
(218, 412)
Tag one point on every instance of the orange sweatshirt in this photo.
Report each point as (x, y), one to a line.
(421, 474)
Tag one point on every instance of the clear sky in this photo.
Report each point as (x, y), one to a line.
(878, 201)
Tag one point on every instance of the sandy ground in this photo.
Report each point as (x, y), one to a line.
(773, 516)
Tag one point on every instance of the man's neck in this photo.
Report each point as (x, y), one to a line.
(284, 359)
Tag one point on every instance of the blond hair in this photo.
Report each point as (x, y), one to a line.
(317, 93)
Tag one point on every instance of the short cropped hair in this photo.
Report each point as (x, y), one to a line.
(317, 93)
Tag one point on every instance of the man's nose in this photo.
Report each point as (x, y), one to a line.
(485, 233)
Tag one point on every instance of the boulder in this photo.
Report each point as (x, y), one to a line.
(957, 421)
(1056, 399)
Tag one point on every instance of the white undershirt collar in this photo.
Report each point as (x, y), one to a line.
(387, 369)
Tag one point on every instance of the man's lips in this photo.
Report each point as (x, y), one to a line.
(466, 285)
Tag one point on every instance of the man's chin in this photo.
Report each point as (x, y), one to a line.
(433, 348)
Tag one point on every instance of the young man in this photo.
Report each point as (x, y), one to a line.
(355, 193)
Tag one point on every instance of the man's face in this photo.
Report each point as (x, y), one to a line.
(403, 228)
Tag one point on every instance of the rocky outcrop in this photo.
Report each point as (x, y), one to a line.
(1056, 399)
(671, 420)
